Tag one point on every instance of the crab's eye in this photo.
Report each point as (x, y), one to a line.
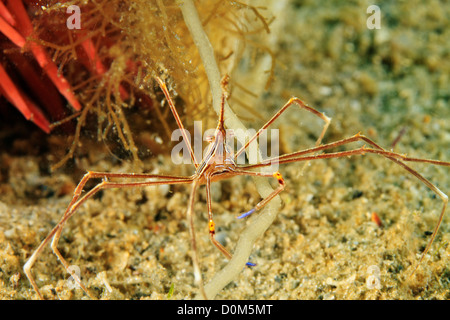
(209, 138)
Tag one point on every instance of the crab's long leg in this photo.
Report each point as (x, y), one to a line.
(263, 202)
(291, 102)
(77, 201)
(211, 224)
(393, 156)
(178, 120)
(357, 137)
(190, 220)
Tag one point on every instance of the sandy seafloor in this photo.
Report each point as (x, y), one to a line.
(133, 244)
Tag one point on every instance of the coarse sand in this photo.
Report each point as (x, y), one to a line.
(387, 83)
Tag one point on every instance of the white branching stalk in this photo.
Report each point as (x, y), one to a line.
(263, 220)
